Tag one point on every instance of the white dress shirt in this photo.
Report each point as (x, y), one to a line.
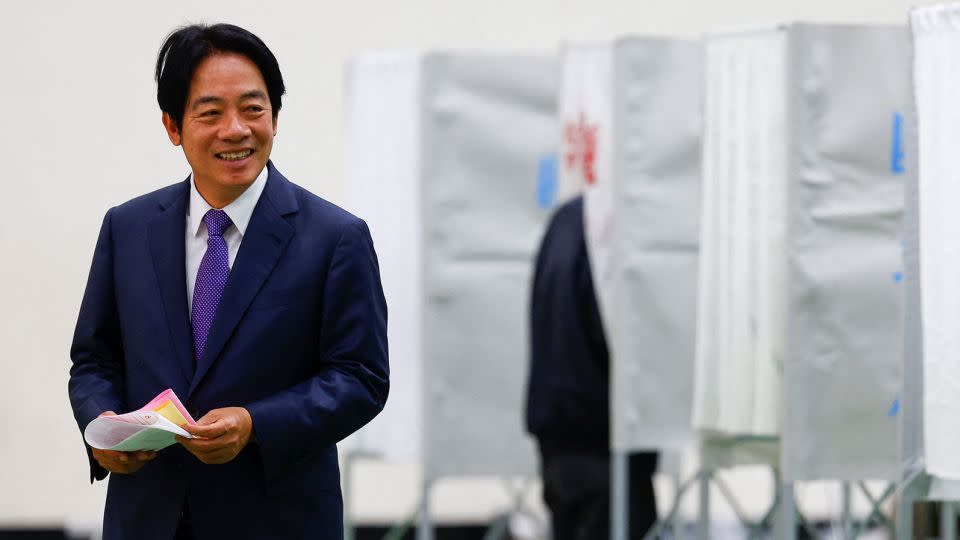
(239, 212)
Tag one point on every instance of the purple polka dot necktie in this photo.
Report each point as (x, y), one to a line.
(211, 278)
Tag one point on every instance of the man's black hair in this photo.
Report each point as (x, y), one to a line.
(186, 47)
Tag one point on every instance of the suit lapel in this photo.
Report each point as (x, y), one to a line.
(266, 237)
(166, 237)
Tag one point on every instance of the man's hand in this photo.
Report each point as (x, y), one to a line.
(223, 434)
(121, 462)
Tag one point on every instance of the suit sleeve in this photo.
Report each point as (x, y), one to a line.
(352, 381)
(96, 375)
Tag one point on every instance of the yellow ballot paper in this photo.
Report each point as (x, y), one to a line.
(169, 411)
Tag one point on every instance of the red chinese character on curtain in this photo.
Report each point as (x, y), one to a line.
(581, 139)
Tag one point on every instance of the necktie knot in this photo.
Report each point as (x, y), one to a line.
(216, 221)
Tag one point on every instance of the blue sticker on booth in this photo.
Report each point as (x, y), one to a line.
(894, 408)
(896, 145)
(547, 181)
(897, 277)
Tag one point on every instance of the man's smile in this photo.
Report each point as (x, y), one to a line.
(234, 156)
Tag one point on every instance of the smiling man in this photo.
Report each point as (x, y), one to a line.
(258, 302)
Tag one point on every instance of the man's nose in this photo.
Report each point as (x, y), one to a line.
(234, 128)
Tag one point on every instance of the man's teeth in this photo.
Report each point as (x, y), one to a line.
(234, 156)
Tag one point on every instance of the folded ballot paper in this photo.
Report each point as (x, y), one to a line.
(152, 427)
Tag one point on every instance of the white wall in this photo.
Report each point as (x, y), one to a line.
(82, 133)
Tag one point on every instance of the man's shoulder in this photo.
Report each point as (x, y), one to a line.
(151, 203)
(571, 210)
(567, 219)
(321, 211)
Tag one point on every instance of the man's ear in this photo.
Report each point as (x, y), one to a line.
(276, 117)
(173, 132)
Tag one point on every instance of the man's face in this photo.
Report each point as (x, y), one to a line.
(228, 126)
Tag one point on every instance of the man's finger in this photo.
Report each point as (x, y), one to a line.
(194, 445)
(212, 450)
(209, 431)
(205, 445)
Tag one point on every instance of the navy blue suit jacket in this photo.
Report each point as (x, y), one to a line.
(568, 406)
(299, 339)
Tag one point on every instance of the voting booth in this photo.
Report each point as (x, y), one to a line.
(630, 126)
(931, 386)
(450, 163)
(800, 295)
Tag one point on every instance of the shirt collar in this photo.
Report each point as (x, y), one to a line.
(239, 211)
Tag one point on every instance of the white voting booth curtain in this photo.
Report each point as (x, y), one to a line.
(444, 156)
(801, 301)
(932, 400)
(740, 310)
(630, 114)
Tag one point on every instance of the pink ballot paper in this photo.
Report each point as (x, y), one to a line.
(152, 427)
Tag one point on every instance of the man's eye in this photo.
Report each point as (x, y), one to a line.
(210, 113)
(255, 108)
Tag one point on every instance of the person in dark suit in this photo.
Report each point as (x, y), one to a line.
(258, 302)
(568, 392)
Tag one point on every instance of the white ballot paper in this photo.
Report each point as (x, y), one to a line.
(152, 427)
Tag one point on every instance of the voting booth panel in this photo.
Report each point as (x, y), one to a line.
(931, 389)
(382, 167)
(473, 130)
(740, 309)
(489, 121)
(801, 302)
(657, 143)
(848, 88)
(634, 105)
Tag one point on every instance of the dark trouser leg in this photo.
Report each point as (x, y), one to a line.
(643, 500)
(576, 489)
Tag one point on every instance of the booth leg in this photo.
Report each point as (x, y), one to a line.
(348, 531)
(905, 517)
(847, 516)
(676, 524)
(619, 496)
(948, 521)
(424, 525)
(786, 524)
(703, 530)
